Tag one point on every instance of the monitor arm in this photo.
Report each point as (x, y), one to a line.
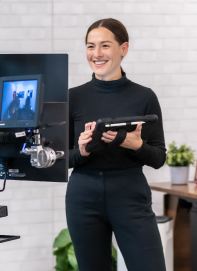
(41, 156)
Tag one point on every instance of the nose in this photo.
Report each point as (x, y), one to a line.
(98, 51)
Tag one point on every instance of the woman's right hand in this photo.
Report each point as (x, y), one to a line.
(86, 137)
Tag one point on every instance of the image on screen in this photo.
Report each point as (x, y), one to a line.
(19, 100)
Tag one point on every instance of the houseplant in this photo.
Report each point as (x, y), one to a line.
(179, 160)
(65, 255)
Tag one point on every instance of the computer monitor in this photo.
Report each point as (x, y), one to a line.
(21, 101)
(26, 74)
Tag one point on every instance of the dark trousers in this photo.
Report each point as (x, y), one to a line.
(99, 202)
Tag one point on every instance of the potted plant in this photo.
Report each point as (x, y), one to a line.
(179, 160)
(65, 255)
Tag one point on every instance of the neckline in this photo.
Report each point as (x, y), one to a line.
(109, 86)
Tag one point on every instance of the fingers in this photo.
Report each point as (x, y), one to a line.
(88, 126)
(138, 128)
(84, 138)
(139, 125)
(108, 136)
(93, 125)
(83, 141)
(106, 140)
(86, 134)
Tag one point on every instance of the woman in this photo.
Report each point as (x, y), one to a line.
(107, 190)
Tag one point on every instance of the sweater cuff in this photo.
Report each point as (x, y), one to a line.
(83, 158)
(76, 159)
(141, 150)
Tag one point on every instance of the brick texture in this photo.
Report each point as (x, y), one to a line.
(162, 56)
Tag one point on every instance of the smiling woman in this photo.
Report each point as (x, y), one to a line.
(104, 54)
(106, 41)
(107, 191)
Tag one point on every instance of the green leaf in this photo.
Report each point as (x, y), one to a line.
(114, 265)
(63, 239)
(61, 259)
(62, 263)
(114, 253)
(71, 257)
(65, 255)
(57, 251)
(183, 156)
(114, 258)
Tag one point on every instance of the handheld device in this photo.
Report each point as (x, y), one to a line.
(122, 125)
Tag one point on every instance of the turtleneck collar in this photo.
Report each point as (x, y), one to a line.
(109, 86)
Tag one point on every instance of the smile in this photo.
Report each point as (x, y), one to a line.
(100, 63)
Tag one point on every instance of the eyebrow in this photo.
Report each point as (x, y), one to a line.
(101, 42)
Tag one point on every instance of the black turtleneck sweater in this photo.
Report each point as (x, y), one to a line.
(110, 99)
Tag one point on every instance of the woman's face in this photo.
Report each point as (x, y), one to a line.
(104, 54)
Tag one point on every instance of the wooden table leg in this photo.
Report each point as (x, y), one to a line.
(193, 227)
(179, 210)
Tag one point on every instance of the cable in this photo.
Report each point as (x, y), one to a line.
(4, 182)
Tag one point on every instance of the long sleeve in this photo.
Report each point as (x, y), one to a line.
(153, 152)
(119, 98)
(75, 158)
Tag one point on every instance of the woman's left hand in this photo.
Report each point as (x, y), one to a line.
(132, 141)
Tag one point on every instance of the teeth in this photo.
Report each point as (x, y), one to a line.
(99, 63)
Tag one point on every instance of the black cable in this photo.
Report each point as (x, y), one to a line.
(4, 183)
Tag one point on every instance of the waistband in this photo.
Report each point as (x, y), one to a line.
(108, 172)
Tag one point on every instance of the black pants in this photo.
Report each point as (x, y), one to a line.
(99, 202)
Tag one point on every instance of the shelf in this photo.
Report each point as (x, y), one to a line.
(6, 238)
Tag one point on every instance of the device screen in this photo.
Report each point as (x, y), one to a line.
(19, 100)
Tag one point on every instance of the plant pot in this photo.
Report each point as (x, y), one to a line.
(179, 175)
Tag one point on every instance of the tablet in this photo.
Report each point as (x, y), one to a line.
(122, 125)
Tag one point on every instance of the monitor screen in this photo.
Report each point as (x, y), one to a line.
(33, 90)
(20, 98)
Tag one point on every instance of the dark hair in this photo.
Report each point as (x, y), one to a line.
(115, 26)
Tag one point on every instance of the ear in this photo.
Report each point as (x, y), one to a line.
(124, 48)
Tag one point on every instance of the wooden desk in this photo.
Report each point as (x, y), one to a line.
(180, 202)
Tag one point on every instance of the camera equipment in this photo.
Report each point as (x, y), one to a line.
(41, 157)
(22, 106)
(37, 143)
(34, 122)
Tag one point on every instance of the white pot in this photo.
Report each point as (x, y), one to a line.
(179, 175)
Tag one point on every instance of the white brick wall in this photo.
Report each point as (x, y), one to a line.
(162, 56)
(36, 213)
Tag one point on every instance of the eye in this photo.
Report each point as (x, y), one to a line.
(105, 45)
(90, 47)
